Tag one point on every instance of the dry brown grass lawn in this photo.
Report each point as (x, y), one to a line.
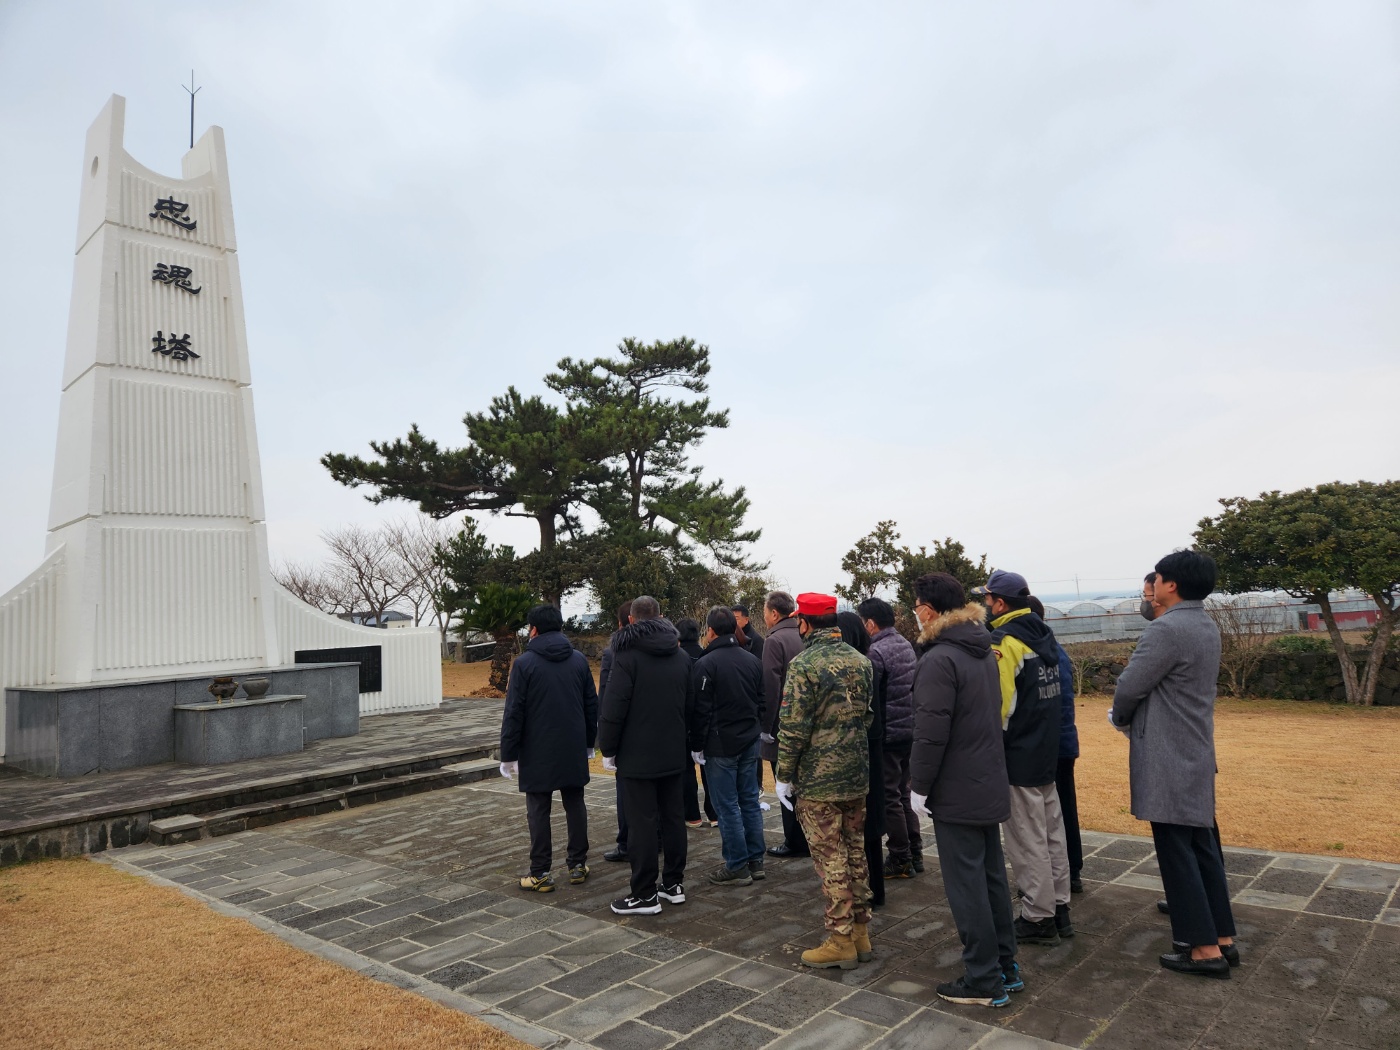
(92, 957)
(1297, 777)
(464, 679)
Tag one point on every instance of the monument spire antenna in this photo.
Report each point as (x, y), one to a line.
(193, 91)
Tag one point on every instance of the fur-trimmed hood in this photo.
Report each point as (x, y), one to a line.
(657, 636)
(965, 628)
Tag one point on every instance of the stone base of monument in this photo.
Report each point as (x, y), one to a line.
(211, 734)
(74, 730)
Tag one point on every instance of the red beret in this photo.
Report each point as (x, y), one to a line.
(816, 605)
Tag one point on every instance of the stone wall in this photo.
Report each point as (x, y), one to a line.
(1282, 676)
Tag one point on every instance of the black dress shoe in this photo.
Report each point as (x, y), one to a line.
(1164, 908)
(1231, 952)
(616, 854)
(1182, 962)
(785, 850)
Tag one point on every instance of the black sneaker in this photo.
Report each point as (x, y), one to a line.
(617, 855)
(723, 876)
(637, 906)
(916, 857)
(1042, 932)
(958, 992)
(1063, 926)
(675, 894)
(899, 869)
(1011, 978)
(1076, 884)
(1164, 907)
(756, 870)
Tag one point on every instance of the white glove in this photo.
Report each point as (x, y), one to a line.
(768, 738)
(610, 764)
(1115, 725)
(919, 803)
(764, 806)
(590, 753)
(510, 769)
(784, 793)
(698, 757)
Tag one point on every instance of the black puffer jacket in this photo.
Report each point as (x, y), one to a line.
(958, 760)
(648, 703)
(551, 715)
(728, 699)
(892, 655)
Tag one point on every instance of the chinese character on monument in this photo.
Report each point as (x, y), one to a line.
(179, 276)
(171, 210)
(177, 348)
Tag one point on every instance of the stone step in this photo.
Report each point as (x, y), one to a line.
(113, 819)
(189, 827)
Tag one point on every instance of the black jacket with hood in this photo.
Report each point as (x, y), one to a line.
(1028, 669)
(551, 715)
(647, 707)
(957, 759)
(728, 699)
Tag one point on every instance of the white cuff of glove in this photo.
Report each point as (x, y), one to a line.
(784, 793)
(698, 757)
(510, 769)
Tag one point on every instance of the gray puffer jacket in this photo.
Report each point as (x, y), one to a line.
(895, 659)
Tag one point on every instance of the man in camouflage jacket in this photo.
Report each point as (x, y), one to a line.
(824, 764)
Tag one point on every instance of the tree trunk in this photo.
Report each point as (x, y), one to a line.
(501, 657)
(1385, 627)
(1339, 645)
(549, 538)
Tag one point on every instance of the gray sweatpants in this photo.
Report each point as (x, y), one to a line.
(1035, 845)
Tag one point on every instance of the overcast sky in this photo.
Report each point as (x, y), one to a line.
(1047, 278)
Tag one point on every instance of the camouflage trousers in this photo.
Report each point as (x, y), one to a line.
(836, 834)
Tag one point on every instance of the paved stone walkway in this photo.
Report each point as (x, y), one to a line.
(421, 892)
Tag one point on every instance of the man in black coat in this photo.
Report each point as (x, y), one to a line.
(646, 709)
(784, 641)
(753, 641)
(958, 771)
(547, 736)
(724, 740)
(618, 854)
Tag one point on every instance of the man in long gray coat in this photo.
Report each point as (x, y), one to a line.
(1165, 703)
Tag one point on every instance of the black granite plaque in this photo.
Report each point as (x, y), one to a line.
(369, 657)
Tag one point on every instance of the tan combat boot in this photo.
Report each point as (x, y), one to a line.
(837, 950)
(864, 950)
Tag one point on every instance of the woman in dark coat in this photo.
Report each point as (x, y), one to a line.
(854, 634)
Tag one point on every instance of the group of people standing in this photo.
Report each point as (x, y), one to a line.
(868, 736)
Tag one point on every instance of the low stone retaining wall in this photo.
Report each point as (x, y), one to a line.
(1281, 676)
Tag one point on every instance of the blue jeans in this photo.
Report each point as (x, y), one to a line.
(733, 785)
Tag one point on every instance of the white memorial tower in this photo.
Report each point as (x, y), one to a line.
(157, 560)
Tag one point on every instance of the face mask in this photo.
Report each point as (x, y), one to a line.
(990, 615)
(1148, 612)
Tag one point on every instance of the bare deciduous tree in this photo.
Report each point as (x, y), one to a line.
(1245, 633)
(316, 585)
(418, 544)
